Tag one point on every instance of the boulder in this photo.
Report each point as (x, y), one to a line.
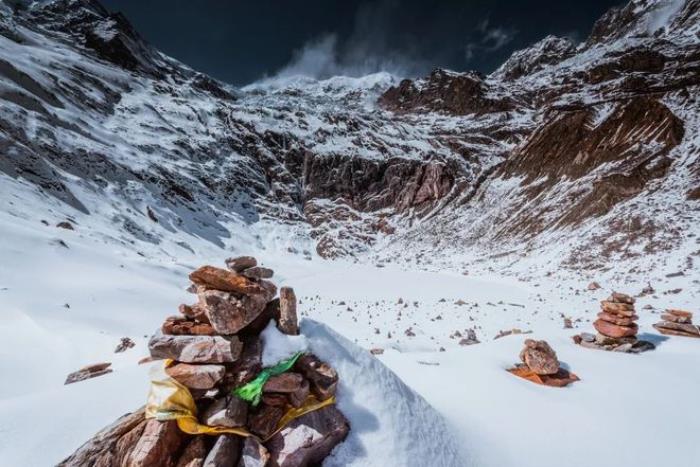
(678, 329)
(196, 376)
(176, 325)
(158, 444)
(241, 263)
(229, 411)
(110, 446)
(616, 319)
(539, 357)
(258, 272)
(194, 312)
(602, 339)
(248, 365)
(194, 453)
(298, 397)
(621, 309)
(676, 319)
(287, 322)
(284, 383)
(264, 421)
(87, 372)
(323, 377)
(621, 298)
(307, 440)
(221, 279)
(225, 452)
(614, 330)
(228, 313)
(253, 454)
(195, 349)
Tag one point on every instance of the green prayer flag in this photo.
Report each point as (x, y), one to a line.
(252, 391)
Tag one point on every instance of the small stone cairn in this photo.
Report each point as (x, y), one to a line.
(616, 326)
(215, 348)
(540, 365)
(678, 323)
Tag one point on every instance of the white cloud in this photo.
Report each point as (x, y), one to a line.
(490, 40)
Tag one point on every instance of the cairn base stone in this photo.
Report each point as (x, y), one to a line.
(308, 439)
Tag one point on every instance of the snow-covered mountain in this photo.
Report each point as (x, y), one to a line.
(591, 147)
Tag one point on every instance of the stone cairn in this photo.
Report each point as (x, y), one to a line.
(616, 326)
(215, 347)
(678, 323)
(540, 365)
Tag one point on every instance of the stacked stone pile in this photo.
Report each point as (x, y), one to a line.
(540, 365)
(616, 326)
(678, 323)
(216, 348)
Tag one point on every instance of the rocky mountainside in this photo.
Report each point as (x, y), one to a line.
(569, 154)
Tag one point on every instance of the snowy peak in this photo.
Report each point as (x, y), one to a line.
(109, 35)
(646, 18)
(548, 51)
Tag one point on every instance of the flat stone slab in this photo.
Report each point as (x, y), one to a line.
(195, 349)
(678, 329)
(559, 379)
(625, 347)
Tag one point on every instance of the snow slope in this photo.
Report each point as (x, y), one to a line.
(646, 400)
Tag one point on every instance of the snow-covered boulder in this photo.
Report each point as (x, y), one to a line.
(390, 423)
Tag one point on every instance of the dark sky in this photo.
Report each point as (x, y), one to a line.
(240, 41)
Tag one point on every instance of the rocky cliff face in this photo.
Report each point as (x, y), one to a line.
(561, 142)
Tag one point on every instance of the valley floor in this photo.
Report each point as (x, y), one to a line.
(66, 307)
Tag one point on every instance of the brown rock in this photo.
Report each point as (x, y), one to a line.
(617, 297)
(264, 422)
(593, 286)
(323, 378)
(229, 411)
(110, 446)
(229, 313)
(675, 318)
(225, 452)
(194, 312)
(559, 379)
(376, 351)
(258, 272)
(616, 319)
(248, 365)
(194, 453)
(271, 311)
(65, 225)
(307, 440)
(680, 313)
(287, 322)
(241, 263)
(621, 309)
(87, 372)
(196, 376)
(275, 400)
(254, 454)
(195, 349)
(124, 344)
(539, 357)
(221, 279)
(284, 383)
(298, 397)
(614, 330)
(177, 326)
(602, 339)
(158, 444)
(689, 330)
